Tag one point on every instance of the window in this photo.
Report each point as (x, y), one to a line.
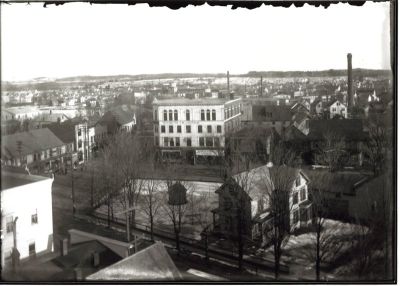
(32, 248)
(171, 142)
(34, 218)
(200, 129)
(295, 216)
(201, 141)
(208, 115)
(209, 128)
(165, 141)
(162, 128)
(155, 115)
(209, 141)
(175, 115)
(179, 129)
(303, 194)
(79, 145)
(165, 115)
(216, 142)
(295, 198)
(298, 181)
(170, 115)
(10, 224)
(189, 142)
(219, 129)
(177, 142)
(202, 115)
(334, 109)
(155, 128)
(214, 116)
(79, 132)
(156, 140)
(188, 129)
(171, 129)
(187, 114)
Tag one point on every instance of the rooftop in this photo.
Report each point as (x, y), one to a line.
(11, 180)
(30, 142)
(186, 101)
(152, 264)
(338, 182)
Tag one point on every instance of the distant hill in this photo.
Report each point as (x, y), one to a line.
(325, 73)
(49, 84)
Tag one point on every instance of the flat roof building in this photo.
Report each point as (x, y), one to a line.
(194, 128)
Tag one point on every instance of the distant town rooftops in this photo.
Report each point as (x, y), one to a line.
(11, 179)
(21, 109)
(201, 101)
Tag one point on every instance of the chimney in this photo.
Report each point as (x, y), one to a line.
(96, 259)
(227, 79)
(78, 274)
(64, 246)
(349, 81)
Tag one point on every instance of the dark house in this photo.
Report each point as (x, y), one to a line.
(121, 118)
(348, 195)
(233, 214)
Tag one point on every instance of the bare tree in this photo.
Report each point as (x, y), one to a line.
(376, 146)
(333, 151)
(371, 243)
(175, 210)
(326, 244)
(152, 202)
(277, 186)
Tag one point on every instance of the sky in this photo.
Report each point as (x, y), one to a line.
(82, 39)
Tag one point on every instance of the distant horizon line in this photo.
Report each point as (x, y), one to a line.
(219, 74)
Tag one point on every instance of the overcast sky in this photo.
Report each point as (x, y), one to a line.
(82, 39)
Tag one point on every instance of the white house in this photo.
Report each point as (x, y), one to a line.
(26, 215)
(337, 108)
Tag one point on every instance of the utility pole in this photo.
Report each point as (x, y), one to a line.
(73, 189)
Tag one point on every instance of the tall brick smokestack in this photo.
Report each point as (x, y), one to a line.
(349, 81)
(227, 79)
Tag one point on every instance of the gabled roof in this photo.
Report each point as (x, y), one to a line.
(300, 117)
(64, 131)
(120, 114)
(150, 264)
(335, 182)
(32, 141)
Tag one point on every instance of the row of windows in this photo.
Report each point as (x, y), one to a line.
(209, 142)
(10, 222)
(203, 142)
(172, 115)
(205, 115)
(232, 111)
(175, 141)
(188, 129)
